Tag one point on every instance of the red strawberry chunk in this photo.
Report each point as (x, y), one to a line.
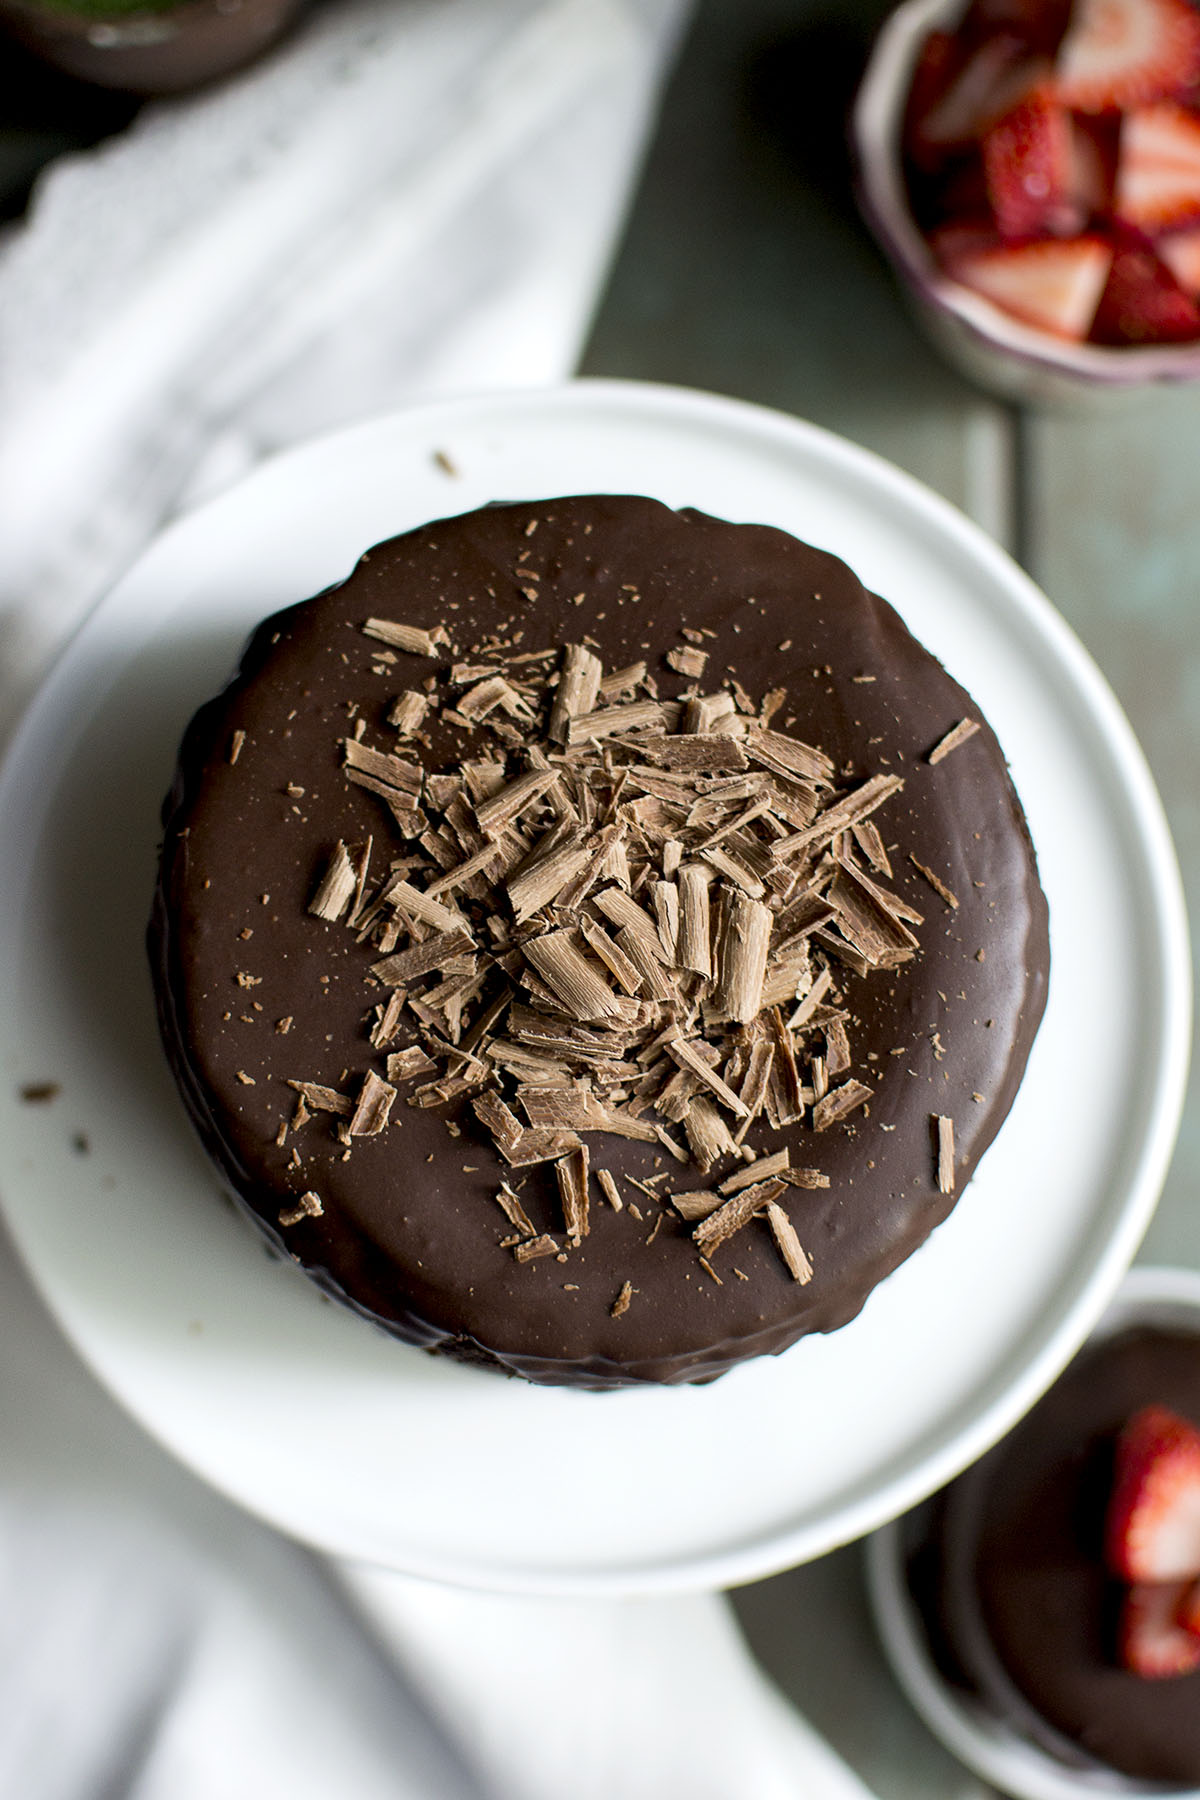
(1142, 303)
(1124, 53)
(1027, 160)
(1041, 23)
(1189, 1609)
(1158, 170)
(1150, 1639)
(1181, 254)
(1054, 284)
(993, 79)
(1152, 1529)
(1094, 143)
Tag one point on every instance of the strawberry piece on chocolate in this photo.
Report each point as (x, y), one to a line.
(1142, 303)
(1189, 1609)
(1028, 164)
(1158, 170)
(1150, 1639)
(1054, 284)
(1119, 54)
(1152, 1528)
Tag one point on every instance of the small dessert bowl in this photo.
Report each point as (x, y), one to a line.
(989, 345)
(980, 1715)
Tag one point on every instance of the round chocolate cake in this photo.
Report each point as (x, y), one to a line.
(596, 941)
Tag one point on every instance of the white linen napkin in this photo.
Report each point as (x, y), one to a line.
(413, 196)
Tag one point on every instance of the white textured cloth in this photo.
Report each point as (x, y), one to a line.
(413, 196)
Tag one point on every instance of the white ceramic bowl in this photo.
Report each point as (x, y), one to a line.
(987, 344)
(994, 1748)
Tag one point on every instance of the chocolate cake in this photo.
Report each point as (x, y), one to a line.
(596, 941)
(1013, 1577)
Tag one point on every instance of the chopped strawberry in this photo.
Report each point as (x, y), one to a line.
(1180, 251)
(1094, 149)
(952, 244)
(1158, 171)
(1054, 284)
(1150, 1639)
(1028, 166)
(1142, 303)
(1040, 22)
(1152, 1529)
(1188, 1614)
(1123, 53)
(992, 81)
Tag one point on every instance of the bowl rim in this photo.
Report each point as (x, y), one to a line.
(988, 1746)
(875, 123)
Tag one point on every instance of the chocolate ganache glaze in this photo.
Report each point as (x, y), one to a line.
(1014, 1580)
(255, 992)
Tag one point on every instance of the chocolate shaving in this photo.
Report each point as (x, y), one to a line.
(406, 1065)
(375, 1099)
(379, 770)
(394, 971)
(708, 1136)
(958, 734)
(578, 686)
(693, 949)
(686, 660)
(571, 1172)
(765, 1166)
(945, 1153)
(514, 1212)
(638, 715)
(745, 932)
(841, 815)
(608, 1187)
(308, 1206)
(407, 637)
(323, 1099)
(531, 1248)
(688, 1057)
(784, 1232)
(581, 990)
(936, 883)
(695, 1204)
(575, 1109)
(735, 1213)
(838, 1102)
(500, 810)
(788, 756)
(542, 877)
(407, 712)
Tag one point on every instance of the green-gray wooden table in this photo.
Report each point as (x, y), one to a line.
(745, 269)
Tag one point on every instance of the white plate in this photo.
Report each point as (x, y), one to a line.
(364, 1447)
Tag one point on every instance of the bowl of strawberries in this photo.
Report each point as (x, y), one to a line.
(1032, 170)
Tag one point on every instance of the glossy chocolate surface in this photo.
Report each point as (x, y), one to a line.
(410, 1232)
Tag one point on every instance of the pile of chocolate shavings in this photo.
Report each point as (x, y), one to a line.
(616, 914)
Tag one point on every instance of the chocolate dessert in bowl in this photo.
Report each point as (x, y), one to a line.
(548, 925)
(1043, 1611)
(1032, 173)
